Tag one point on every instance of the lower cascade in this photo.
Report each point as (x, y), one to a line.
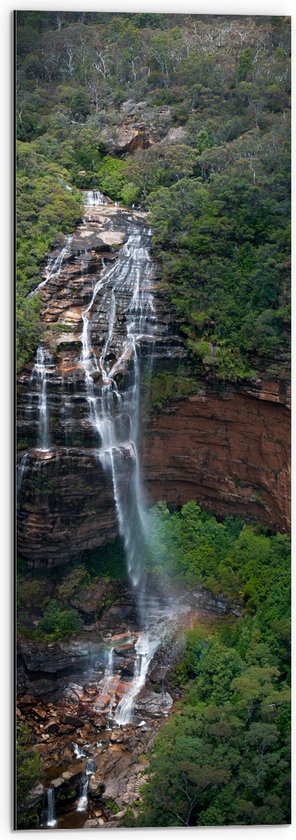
(145, 649)
(49, 817)
(83, 799)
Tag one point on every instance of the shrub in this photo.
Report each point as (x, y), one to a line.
(58, 624)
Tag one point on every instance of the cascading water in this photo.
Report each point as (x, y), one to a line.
(50, 809)
(54, 266)
(83, 799)
(94, 197)
(40, 372)
(90, 768)
(114, 415)
(20, 472)
(145, 648)
(78, 752)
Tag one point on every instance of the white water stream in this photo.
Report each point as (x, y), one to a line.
(50, 809)
(40, 372)
(94, 197)
(145, 648)
(114, 416)
(78, 752)
(54, 266)
(20, 472)
(83, 799)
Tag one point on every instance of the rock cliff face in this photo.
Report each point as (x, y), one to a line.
(65, 497)
(225, 447)
(139, 127)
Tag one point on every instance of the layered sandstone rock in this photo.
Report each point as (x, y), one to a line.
(227, 448)
(65, 497)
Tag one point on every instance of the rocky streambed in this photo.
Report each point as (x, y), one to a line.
(70, 694)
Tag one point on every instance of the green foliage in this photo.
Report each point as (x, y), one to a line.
(45, 210)
(204, 140)
(44, 595)
(57, 624)
(223, 250)
(229, 558)
(110, 806)
(160, 165)
(71, 583)
(220, 213)
(245, 64)
(29, 772)
(31, 592)
(169, 385)
(219, 765)
(130, 194)
(223, 758)
(111, 177)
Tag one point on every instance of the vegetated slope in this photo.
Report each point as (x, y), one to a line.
(223, 757)
(190, 116)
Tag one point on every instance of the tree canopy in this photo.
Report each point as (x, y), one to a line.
(219, 191)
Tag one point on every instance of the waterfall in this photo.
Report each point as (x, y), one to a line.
(50, 808)
(114, 414)
(90, 767)
(109, 682)
(83, 799)
(94, 197)
(40, 370)
(109, 668)
(78, 752)
(54, 266)
(145, 648)
(20, 473)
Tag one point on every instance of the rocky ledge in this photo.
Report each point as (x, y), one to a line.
(68, 697)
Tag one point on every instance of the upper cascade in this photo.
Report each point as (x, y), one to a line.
(95, 197)
(114, 412)
(79, 406)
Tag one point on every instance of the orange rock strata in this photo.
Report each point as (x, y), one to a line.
(228, 449)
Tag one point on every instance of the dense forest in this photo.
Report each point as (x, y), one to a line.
(187, 118)
(223, 758)
(209, 100)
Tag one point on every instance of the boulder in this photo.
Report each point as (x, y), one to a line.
(154, 705)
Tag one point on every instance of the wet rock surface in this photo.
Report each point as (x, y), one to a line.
(93, 766)
(76, 732)
(65, 496)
